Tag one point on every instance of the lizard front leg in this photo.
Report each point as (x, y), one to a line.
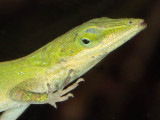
(59, 95)
(21, 95)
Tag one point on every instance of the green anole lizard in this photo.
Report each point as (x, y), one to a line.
(40, 77)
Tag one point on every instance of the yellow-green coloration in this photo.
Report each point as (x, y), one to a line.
(25, 79)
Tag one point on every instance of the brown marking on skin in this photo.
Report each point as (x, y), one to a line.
(63, 60)
(75, 37)
(58, 62)
(44, 49)
(62, 50)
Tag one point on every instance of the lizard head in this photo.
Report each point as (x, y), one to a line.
(104, 34)
(84, 46)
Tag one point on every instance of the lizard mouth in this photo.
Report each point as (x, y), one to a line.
(142, 23)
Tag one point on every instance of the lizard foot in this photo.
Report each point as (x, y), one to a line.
(62, 94)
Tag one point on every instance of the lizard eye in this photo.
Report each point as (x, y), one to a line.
(90, 37)
(85, 41)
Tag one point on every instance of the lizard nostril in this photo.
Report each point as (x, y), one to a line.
(130, 22)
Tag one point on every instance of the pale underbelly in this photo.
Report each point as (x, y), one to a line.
(6, 103)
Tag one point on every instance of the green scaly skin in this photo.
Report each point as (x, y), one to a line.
(25, 80)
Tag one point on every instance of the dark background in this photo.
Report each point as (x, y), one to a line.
(124, 86)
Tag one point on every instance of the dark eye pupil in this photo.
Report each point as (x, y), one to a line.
(85, 41)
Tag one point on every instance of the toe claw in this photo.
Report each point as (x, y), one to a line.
(70, 95)
(54, 104)
(80, 80)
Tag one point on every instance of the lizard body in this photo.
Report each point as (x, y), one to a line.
(28, 80)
